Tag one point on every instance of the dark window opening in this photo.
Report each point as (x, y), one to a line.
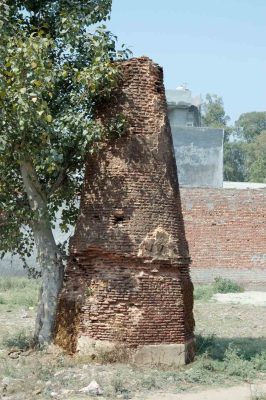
(96, 217)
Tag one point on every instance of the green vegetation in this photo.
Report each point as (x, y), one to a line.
(214, 114)
(56, 62)
(244, 143)
(220, 285)
(22, 340)
(18, 292)
(219, 360)
(17, 283)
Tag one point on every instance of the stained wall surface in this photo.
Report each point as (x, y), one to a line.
(226, 231)
(199, 155)
(128, 276)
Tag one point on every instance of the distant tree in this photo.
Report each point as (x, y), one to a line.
(214, 114)
(235, 162)
(250, 125)
(244, 158)
(256, 159)
(54, 65)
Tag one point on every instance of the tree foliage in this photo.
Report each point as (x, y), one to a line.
(256, 159)
(244, 143)
(214, 114)
(52, 69)
(213, 111)
(235, 162)
(251, 132)
(250, 125)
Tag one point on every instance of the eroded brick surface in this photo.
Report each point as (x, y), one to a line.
(128, 275)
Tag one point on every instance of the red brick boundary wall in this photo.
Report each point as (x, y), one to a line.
(127, 280)
(226, 232)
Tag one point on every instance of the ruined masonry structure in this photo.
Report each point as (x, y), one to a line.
(127, 280)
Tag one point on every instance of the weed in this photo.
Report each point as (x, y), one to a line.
(9, 283)
(149, 382)
(89, 292)
(260, 361)
(21, 340)
(235, 365)
(222, 285)
(117, 354)
(204, 343)
(203, 292)
(259, 396)
(19, 292)
(117, 384)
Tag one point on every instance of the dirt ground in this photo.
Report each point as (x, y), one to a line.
(228, 320)
(53, 375)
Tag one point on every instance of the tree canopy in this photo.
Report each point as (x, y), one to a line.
(214, 114)
(213, 111)
(250, 125)
(56, 62)
(244, 143)
(52, 69)
(251, 133)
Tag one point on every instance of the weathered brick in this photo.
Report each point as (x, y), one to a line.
(226, 232)
(127, 278)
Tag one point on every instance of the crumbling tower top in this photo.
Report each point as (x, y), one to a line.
(131, 197)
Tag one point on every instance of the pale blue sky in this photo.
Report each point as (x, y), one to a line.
(215, 46)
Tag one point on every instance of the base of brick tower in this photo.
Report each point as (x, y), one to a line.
(144, 308)
(154, 354)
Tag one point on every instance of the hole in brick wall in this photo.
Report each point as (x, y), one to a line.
(118, 217)
(118, 220)
(96, 217)
(158, 87)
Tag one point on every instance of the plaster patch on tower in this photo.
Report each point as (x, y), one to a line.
(158, 246)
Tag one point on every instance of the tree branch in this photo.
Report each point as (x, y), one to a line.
(59, 180)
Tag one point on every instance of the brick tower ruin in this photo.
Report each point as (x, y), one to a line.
(127, 280)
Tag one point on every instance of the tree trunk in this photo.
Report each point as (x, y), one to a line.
(52, 269)
(48, 256)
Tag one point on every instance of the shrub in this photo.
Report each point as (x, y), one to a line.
(222, 285)
(235, 365)
(21, 340)
(203, 292)
(14, 283)
(19, 292)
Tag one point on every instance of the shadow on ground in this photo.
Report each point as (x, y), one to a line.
(217, 347)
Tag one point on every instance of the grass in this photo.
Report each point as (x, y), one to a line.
(238, 358)
(21, 340)
(219, 361)
(12, 283)
(18, 292)
(220, 285)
